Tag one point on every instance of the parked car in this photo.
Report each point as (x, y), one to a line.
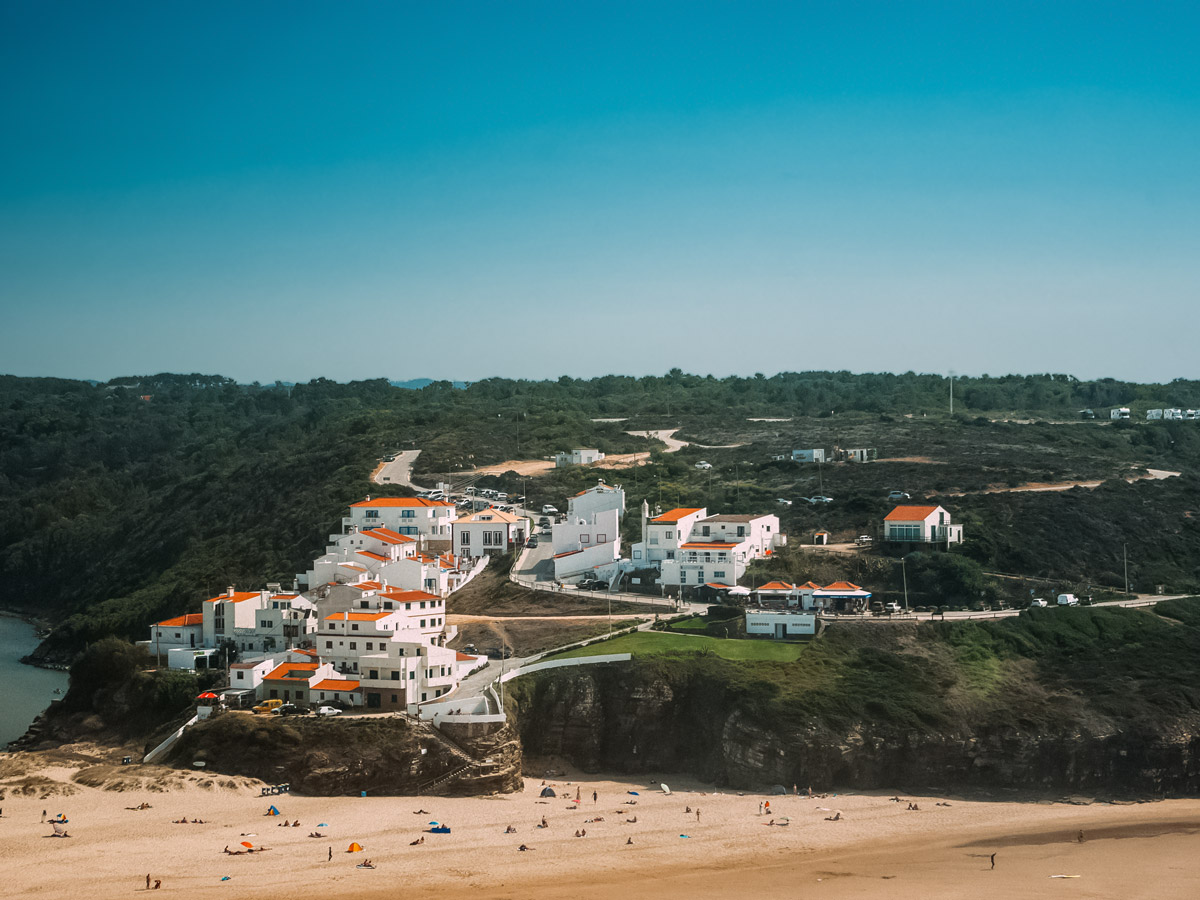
(1068, 600)
(593, 584)
(863, 540)
(1038, 601)
(533, 541)
(498, 653)
(893, 608)
(820, 498)
(549, 510)
(266, 707)
(703, 465)
(899, 495)
(782, 502)
(289, 709)
(328, 711)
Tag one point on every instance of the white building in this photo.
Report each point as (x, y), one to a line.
(581, 457)
(360, 552)
(598, 499)
(178, 633)
(487, 531)
(718, 549)
(781, 623)
(663, 535)
(410, 516)
(808, 456)
(258, 621)
(921, 525)
(583, 545)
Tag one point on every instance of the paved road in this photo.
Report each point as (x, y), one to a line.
(399, 471)
(1138, 601)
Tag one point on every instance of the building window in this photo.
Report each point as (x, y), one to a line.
(670, 554)
(704, 530)
(465, 538)
(395, 699)
(498, 538)
(422, 604)
(487, 539)
(585, 539)
(408, 513)
(741, 531)
(241, 675)
(422, 623)
(637, 554)
(375, 674)
(412, 674)
(602, 539)
(719, 573)
(354, 645)
(368, 645)
(354, 626)
(395, 675)
(371, 514)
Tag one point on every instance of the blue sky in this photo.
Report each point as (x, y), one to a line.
(460, 190)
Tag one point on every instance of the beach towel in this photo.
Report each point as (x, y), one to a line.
(247, 845)
(440, 829)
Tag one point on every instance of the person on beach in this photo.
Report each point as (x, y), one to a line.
(330, 855)
(523, 848)
(993, 860)
(157, 883)
(148, 877)
(595, 797)
(697, 814)
(760, 807)
(629, 840)
(1080, 837)
(510, 830)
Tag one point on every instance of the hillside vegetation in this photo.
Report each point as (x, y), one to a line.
(126, 502)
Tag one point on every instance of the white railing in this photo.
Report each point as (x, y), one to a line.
(171, 739)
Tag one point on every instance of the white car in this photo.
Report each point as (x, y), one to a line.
(899, 495)
(549, 510)
(703, 465)
(1038, 602)
(820, 498)
(782, 502)
(328, 711)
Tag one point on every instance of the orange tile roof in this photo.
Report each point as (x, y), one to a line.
(707, 545)
(292, 670)
(811, 585)
(910, 513)
(407, 596)
(369, 554)
(236, 597)
(366, 585)
(675, 515)
(357, 616)
(462, 657)
(334, 684)
(400, 501)
(178, 621)
(568, 553)
(841, 586)
(777, 586)
(388, 536)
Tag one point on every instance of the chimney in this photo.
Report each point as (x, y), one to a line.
(230, 594)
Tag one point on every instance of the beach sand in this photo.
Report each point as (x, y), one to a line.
(878, 849)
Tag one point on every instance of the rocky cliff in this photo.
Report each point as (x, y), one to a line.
(674, 716)
(382, 756)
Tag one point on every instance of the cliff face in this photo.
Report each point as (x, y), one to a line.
(656, 720)
(330, 757)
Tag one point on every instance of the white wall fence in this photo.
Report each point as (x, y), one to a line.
(564, 663)
(171, 739)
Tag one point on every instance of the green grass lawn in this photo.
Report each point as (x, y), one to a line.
(654, 643)
(695, 623)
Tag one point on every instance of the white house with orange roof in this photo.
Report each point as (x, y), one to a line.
(397, 656)
(921, 525)
(258, 621)
(297, 682)
(487, 531)
(412, 516)
(177, 633)
(664, 535)
(713, 550)
(361, 552)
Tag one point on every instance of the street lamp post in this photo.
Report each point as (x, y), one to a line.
(904, 575)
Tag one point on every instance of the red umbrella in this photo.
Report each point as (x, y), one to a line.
(207, 695)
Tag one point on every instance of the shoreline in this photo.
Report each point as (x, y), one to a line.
(935, 851)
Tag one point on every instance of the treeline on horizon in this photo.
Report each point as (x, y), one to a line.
(136, 499)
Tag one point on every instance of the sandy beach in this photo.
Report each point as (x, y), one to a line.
(879, 848)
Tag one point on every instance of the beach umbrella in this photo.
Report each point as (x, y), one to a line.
(207, 695)
(665, 789)
(548, 792)
(247, 844)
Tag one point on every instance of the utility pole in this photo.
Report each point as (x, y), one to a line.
(904, 575)
(1125, 559)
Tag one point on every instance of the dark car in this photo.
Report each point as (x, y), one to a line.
(290, 709)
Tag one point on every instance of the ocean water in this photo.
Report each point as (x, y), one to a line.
(24, 690)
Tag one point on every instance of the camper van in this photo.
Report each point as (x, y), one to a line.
(1121, 413)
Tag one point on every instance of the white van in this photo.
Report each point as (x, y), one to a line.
(1068, 600)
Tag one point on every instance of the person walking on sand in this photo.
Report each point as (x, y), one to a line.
(760, 807)
(1080, 837)
(993, 860)
(148, 878)
(697, 814)
(595, 797)
(330, 859)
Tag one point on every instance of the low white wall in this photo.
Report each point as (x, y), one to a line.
(563, 663)
(171, 739)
